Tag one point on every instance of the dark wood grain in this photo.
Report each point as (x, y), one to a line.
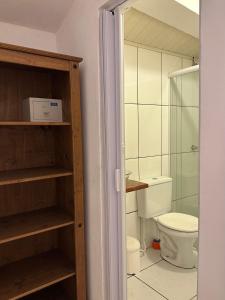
(33, 274)
(32, 223)
(132, 185)
(34, 174)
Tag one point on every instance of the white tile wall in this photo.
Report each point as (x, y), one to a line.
(188, 205)
(190, 90)
(133, 225)
(165, 129)
(150, 167)
(190, 174)
(149, 77)
(190, 128)
(170, 63)
(165, 165)
(150, 126)
(131, 131)
(130, 74)
(147, 114)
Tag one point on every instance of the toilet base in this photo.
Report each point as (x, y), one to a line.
(179, 251)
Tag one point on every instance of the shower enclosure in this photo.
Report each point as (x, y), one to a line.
(184, 139)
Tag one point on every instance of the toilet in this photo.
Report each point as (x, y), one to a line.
(177, 232)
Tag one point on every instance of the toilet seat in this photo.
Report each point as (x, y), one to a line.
(179, 222)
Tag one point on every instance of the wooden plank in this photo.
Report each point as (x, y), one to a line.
(78, 182)
(27, 224)
(33, 60)
(40, 52)
(32, 274)
(26, 123)
(132, 185)
(54, 292)
(34, 174)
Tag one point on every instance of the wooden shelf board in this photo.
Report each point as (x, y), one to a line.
(33, 174)
(23, 225)
(27, 123)
(53, 293)
(132, 185)
(32, 274)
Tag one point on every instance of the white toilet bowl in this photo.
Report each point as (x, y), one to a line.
(178, 233)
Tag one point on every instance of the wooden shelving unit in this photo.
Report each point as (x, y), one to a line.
(26, 276)
(26, 123)
(42, 246)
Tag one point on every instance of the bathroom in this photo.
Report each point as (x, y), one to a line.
(161, 106)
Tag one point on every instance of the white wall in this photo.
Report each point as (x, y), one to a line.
(79, 35)
(212, 167)
(27, 37)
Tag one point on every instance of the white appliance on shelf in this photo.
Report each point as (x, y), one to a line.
(42, 110)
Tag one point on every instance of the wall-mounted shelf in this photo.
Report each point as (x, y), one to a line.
(33, 174)
(25, 277)
(32, 223)
(132, 185)
(26, 123)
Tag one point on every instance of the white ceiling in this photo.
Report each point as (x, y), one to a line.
(190, 4)
(142, 29)
(38, 14)
(172, 13)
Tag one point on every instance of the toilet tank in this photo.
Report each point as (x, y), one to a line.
(156, 199)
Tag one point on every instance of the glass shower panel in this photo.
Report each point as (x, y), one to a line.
(184, 141)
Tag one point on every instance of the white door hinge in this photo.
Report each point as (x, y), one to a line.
(117, 180)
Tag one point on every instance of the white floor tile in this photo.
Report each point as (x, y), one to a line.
(172, 282)
(136, 290)
(151, 257)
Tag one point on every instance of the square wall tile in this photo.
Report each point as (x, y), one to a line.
(190, 128)
(188, 205)
(175, 129)
(170, 63)
(131, 131)
(131, 202)
(165, 129)
(166, 165)
(190, 89)
(187, 62)
(175, 91)
(149, 77)
(190, 174)
(150, 167)
(149, 130)
(133, 225)
(132, 166)
(175, 173)
(130, 74)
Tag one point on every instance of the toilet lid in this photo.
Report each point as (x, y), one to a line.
(179, 222)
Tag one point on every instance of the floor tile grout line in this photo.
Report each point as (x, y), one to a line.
(151, 287)
(151, 265)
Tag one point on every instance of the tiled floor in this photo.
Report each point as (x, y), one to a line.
(160, 280)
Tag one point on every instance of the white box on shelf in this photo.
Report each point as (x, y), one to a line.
(42, 110)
